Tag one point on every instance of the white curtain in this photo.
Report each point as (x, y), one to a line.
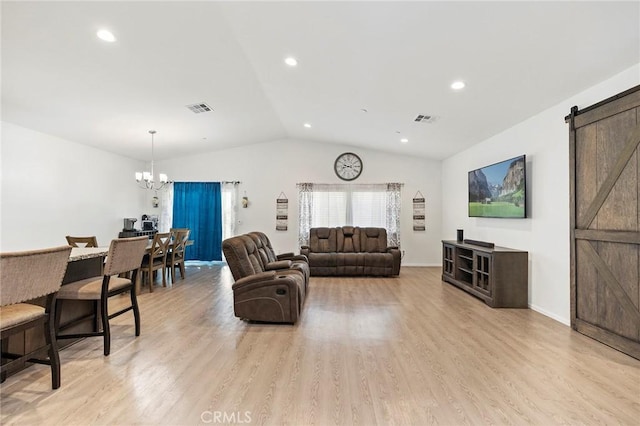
(165, 220)
(229, 208)
(393, 204)
(330, 205)
(305, 207)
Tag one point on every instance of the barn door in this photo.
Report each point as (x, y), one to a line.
(605, 236)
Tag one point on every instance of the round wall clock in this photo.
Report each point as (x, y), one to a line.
(348, 166)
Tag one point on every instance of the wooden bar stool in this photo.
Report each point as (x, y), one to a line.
(25, 276)
(125, 255)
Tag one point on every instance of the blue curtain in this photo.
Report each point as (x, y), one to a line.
(198, 206)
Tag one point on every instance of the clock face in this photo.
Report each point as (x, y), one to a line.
(348, 166)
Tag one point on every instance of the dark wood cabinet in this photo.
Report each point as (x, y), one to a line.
(497, 275)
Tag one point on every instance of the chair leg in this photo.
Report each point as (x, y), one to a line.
(105, 324)
(182, 270)
(96, 326)
(164, 280)
(54, 357)
(150, 273)
(173, 273)
(136, 311)
(56, 315)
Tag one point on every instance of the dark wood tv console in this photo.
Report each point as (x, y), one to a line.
(497, 275)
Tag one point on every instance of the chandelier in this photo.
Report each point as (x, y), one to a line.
(146, 179)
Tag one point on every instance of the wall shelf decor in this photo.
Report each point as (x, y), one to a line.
(419, 216)
(282, 212)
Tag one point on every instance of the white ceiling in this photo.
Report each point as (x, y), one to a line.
(395, 60)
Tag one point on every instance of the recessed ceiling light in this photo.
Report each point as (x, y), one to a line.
(307, 125)
(106, 35)
(291, 61)
(458, 85)
(404, 140)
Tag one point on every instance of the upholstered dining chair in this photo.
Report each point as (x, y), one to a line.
(125, 255)
(25, 276)
(157, 257)
(85, 241)
(175, 258)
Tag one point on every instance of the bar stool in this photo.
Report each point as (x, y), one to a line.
(25, 276)
(125, 255)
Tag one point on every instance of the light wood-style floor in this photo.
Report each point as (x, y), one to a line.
(406, 351)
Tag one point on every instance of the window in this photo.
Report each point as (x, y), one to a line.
(368, 205)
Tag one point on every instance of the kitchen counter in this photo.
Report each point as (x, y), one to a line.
(82, 253)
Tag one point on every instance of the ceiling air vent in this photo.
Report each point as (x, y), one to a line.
(423, 118)
(198, 108)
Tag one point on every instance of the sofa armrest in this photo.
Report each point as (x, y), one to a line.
(280, 264)
(305, 250)
(255, 278)
(293, 257)
(287, 255)
(397, 258)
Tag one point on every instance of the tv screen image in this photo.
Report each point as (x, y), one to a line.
(499, 190)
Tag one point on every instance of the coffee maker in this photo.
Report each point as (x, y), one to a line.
(129, 224)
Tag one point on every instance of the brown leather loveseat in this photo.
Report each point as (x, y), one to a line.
(267, 287)
(350, 250)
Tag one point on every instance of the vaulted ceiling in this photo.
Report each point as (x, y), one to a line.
(394, 60)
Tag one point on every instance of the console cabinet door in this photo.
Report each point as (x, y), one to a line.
(482, 273)
(448, 259)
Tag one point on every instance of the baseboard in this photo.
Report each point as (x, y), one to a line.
(546, 313)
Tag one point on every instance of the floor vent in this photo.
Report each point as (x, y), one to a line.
(198, 108)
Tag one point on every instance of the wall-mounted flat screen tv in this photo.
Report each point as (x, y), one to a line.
(499, 190)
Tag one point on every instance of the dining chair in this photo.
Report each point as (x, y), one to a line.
(25, 276)
(175, 258)
(125, 255)
(87, 241)
(156, 258)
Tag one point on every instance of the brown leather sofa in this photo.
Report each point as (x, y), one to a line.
(350, 250)
(266, 288)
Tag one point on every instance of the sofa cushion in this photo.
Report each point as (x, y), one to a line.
(348, 239)
(242, 256)
(261, 249)
(373, 240)
(350, 263)
(323, 240)
(378, 264)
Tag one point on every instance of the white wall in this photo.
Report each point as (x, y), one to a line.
(544, 138)
(267, 169)
(52, 187)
